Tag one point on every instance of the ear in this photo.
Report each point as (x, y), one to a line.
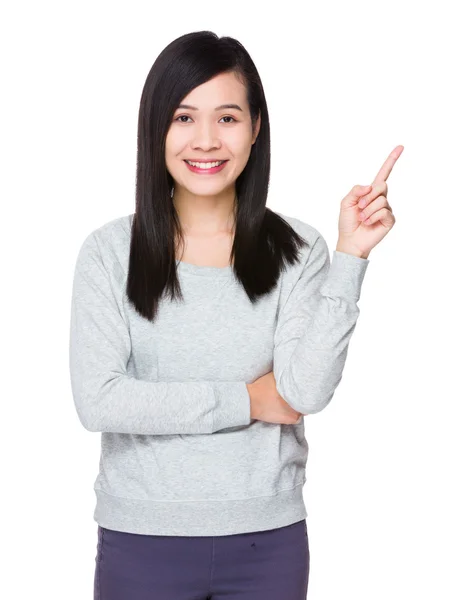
(257, 128)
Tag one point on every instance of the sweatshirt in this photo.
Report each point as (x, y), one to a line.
(180, 454)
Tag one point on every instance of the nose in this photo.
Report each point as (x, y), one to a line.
(205, 138)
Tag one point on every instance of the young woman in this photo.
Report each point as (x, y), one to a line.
(204, 326)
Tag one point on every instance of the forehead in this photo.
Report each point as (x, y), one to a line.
(221, 89)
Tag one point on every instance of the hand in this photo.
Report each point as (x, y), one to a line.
(366, 216)
(266, 404)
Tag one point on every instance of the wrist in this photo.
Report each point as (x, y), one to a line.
(253, 410)
(348, 249)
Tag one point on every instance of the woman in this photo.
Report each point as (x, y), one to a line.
(204, 326)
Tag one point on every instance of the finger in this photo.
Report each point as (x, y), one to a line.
(379, 202)
(384, 215)
(379, 189)
(388, 165)
(355, 194)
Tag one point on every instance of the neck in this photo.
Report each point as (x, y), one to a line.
(205, 214)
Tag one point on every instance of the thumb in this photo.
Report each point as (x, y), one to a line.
(355, 194)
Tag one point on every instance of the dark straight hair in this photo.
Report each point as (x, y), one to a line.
(263, 241)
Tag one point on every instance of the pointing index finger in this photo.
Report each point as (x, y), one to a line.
(388, 164)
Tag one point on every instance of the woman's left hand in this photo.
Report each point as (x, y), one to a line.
(366, 216)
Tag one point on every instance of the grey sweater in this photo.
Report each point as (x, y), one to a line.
(180, 454)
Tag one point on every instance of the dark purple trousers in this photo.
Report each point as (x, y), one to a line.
(262, 565)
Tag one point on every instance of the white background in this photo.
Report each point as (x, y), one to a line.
(345, 83)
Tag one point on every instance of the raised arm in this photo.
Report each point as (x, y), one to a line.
(106, 397)
(315, 326)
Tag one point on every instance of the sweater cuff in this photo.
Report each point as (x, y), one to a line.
(345, 276)
(232, 405)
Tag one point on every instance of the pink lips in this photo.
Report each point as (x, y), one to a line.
(205, 171)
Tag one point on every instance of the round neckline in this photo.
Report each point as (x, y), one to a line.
(186, 267)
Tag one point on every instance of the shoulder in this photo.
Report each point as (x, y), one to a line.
(111, 233)
(109, 242)
(307, 231)
(114, 231)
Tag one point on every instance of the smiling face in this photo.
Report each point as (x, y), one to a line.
(209, 131)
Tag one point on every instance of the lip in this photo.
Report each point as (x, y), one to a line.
(205, 160)
(204, 172)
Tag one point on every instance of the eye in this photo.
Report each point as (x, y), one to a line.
(186, 116)
(182, 117)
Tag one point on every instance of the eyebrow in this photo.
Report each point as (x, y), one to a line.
(222, 106)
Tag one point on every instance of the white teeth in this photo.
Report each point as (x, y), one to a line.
(205, 165)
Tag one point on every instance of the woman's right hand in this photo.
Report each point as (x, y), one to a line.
(267, 405)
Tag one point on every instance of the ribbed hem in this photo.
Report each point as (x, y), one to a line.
(345, 276)
(200, 518)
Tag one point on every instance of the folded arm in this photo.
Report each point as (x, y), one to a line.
(106, 397)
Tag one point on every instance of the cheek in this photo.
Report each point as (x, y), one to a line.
(239, 143)
(169, 143)
(242, 152)
(175, 145)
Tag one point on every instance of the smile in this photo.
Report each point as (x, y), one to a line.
(208, 169)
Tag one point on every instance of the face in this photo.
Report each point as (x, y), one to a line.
(205, 132)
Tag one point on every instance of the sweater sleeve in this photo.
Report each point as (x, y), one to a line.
(314, 328)
(106, 398)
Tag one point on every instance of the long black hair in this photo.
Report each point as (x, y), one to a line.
(263, 241)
